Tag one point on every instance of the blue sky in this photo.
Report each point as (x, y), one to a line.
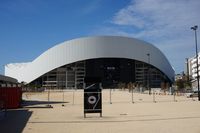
(29, 27)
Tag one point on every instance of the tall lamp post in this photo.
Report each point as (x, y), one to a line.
(148, 80)
(195, 31)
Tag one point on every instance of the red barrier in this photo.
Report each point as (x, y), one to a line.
(11, 97)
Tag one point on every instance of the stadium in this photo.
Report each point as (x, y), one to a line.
(114, 59)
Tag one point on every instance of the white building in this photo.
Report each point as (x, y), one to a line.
(6, 81)
(192, 69)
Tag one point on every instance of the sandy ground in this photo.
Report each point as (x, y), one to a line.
(166, 115)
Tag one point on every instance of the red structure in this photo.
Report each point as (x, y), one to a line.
(10, 97)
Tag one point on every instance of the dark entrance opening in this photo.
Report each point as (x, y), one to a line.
(111, 70)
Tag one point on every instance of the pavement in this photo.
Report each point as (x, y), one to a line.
(62, 112)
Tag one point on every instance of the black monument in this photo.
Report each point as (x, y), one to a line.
(92, 95)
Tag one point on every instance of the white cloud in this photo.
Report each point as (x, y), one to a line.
(153, 16)
(165, 23)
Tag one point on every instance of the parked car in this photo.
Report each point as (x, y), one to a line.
(192, 94)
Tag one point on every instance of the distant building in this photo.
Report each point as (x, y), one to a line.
(178, 77)
(192, 69)
(6, 81)
(114, 59)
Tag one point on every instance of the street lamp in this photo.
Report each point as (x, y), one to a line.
(148, 80)
(195, 31)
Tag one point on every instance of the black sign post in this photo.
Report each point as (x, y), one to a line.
(92, 96)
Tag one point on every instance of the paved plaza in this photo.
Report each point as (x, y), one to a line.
(62, 112)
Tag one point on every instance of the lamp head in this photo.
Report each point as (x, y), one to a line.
(194, 27)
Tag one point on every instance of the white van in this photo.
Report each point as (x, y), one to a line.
(192, 94)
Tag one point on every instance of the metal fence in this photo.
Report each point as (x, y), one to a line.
(109, 96)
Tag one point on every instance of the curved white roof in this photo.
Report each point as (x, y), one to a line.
(90, 48)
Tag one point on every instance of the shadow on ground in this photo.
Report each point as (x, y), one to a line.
(14, 121)
(39, 104)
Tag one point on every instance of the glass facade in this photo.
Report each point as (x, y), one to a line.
(112, 72)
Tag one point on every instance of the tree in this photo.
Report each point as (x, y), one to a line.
(183, 83)
(180, 84)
